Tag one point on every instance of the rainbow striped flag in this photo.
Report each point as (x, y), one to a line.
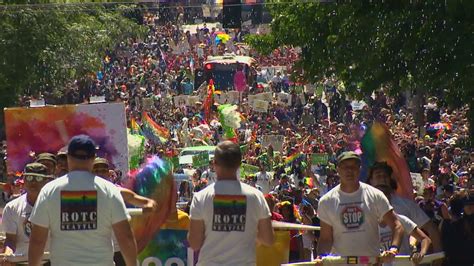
(293, 157)
(154, 132)
(309, 181)
(378, 145)
(134, 127)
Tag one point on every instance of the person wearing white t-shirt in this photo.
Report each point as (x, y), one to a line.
(16, 212)
(81, 211)
(228, 217)
(264, 180)
(350, 214)
(380, 174)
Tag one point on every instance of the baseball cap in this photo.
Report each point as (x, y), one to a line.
(45, 156)
(36, 169)
(81, 147)
(347, 155)
(100, 160)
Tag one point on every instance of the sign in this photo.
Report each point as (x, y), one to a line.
(358, 105)
(201, 159)
(49, 128)
(192, 100)
(417, 181)
(319, 158)
(97, 99)
(180, 100)
(264, 96)
(232, 97)
(248, 169)
(260, 106)
(37, 103)
(168, 246)
(284, 99)
(275, 140)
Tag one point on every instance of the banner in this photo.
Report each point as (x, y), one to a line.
(169, 245)
(260, 106)
(284, 99)
(49, 128)
(201, 159)
(180, 100)
(319, 158)
(275, 140)
(248, 169)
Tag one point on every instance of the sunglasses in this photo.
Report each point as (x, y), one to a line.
(36, 178)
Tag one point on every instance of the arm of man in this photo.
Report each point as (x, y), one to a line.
(265, 234)
(434, 234)
(392, 221)
(133, 198)
(126, 240)
(325, 238)
(425, 244)
(196, 234)
(38, 238)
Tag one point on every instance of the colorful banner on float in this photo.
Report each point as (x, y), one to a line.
(49, 128)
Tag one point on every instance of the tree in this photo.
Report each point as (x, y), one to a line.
(44, 49)
(424, 46)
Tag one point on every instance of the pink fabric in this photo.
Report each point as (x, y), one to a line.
(240, 82)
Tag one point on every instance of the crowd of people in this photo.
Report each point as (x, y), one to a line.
(316, 121)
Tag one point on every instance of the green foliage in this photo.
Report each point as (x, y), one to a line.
(423, 45)
(44, 49)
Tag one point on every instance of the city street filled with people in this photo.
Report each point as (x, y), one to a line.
(242, 129)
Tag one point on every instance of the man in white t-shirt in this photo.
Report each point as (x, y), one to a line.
(350, 214)
(228, 216)
(81, 210)
(380, 175)
(16, 212)
(264, 180)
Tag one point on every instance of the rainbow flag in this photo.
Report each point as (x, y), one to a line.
(309, 181)
(230, 201)
(152, 131)
(134, 127)
(209, 101)
(154, 180)
(293, 157)
(378, 145)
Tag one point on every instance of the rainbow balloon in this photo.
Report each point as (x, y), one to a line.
(154, 180)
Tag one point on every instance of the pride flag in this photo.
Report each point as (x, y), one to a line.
(378, 145)
(209, 101)
(134, 127)
(152, 131)
(293, 157)
(155, 181)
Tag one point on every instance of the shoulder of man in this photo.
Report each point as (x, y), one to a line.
(15, 203)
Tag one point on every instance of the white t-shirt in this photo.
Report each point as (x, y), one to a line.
(210, 176)
(410, 209)
(79, 209)
(354, 218)
(15, 221)
(386, 235)
(231, 211)
(264, 181)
